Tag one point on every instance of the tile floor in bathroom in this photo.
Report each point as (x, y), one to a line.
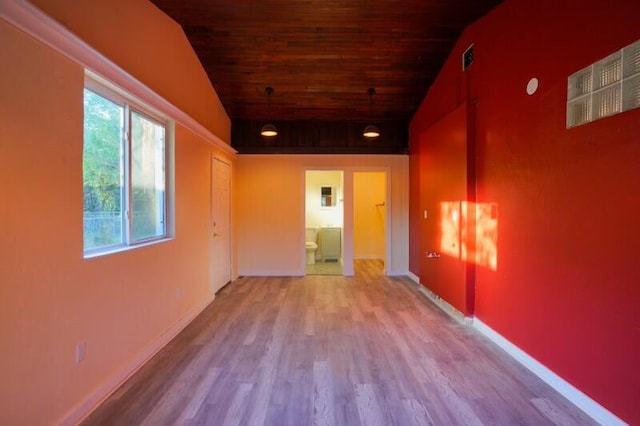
(325, 268)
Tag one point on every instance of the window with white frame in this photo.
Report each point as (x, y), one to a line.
(610, 86)
(124, 173)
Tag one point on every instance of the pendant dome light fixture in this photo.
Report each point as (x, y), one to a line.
(269, 129)
(371, 131)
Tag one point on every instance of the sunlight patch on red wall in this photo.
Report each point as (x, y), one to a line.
(450, 228)
(469, 232)
(487, 235)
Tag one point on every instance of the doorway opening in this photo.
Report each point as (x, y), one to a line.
(324, 220)
(370, 207)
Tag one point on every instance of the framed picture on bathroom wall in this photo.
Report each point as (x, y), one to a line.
(328, 196)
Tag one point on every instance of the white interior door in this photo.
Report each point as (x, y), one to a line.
(221, 217)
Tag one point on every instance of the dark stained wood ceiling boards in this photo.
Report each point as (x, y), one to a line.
(321, 56)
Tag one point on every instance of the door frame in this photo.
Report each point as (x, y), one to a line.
(387, 216)
(347, 214)
(343, 238)
(226, 162)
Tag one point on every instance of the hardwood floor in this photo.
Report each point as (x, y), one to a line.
(332, 350)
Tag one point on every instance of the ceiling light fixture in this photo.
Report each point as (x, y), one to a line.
(269, 129)
(371, 131)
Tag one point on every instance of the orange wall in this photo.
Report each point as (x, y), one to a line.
(50, 297)
(369, 219)
(154, 49)
(566, 285)
(271, 203)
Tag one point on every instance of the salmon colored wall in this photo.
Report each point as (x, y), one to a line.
(154, 49)
(271, 211)
(51, 298)
(369, 223)
(566, 286)
(270, 201)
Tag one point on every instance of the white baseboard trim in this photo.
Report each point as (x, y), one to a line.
(272, 273)
(85, 407)
(566, 389)
(594, 410)
(396, 273)
(414, 277)
(445, 306)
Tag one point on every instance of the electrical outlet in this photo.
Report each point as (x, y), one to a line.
(81, 352)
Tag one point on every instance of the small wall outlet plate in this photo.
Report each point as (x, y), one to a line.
(81, 352)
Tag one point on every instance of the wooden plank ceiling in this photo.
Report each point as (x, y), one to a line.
(320, 57)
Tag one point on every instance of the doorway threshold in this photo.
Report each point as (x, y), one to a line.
(325, 268)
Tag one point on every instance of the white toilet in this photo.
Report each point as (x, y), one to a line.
(311, 245)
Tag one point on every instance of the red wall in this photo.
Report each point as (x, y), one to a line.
(566, 289)
(443, 179)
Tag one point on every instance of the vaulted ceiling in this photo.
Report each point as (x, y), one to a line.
(320, 57)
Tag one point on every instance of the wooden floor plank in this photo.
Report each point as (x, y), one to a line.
(331, 350)
(416, 413)
(198, 396)
(323, 404)
(238, 405)
(369, 407)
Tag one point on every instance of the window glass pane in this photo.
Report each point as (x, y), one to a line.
(102, 170)
(147, 178)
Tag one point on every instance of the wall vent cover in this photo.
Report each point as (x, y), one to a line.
(467, 58)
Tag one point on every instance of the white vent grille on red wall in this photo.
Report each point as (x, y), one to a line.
(607, 87)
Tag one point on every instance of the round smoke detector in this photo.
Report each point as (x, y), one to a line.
(532, 86)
